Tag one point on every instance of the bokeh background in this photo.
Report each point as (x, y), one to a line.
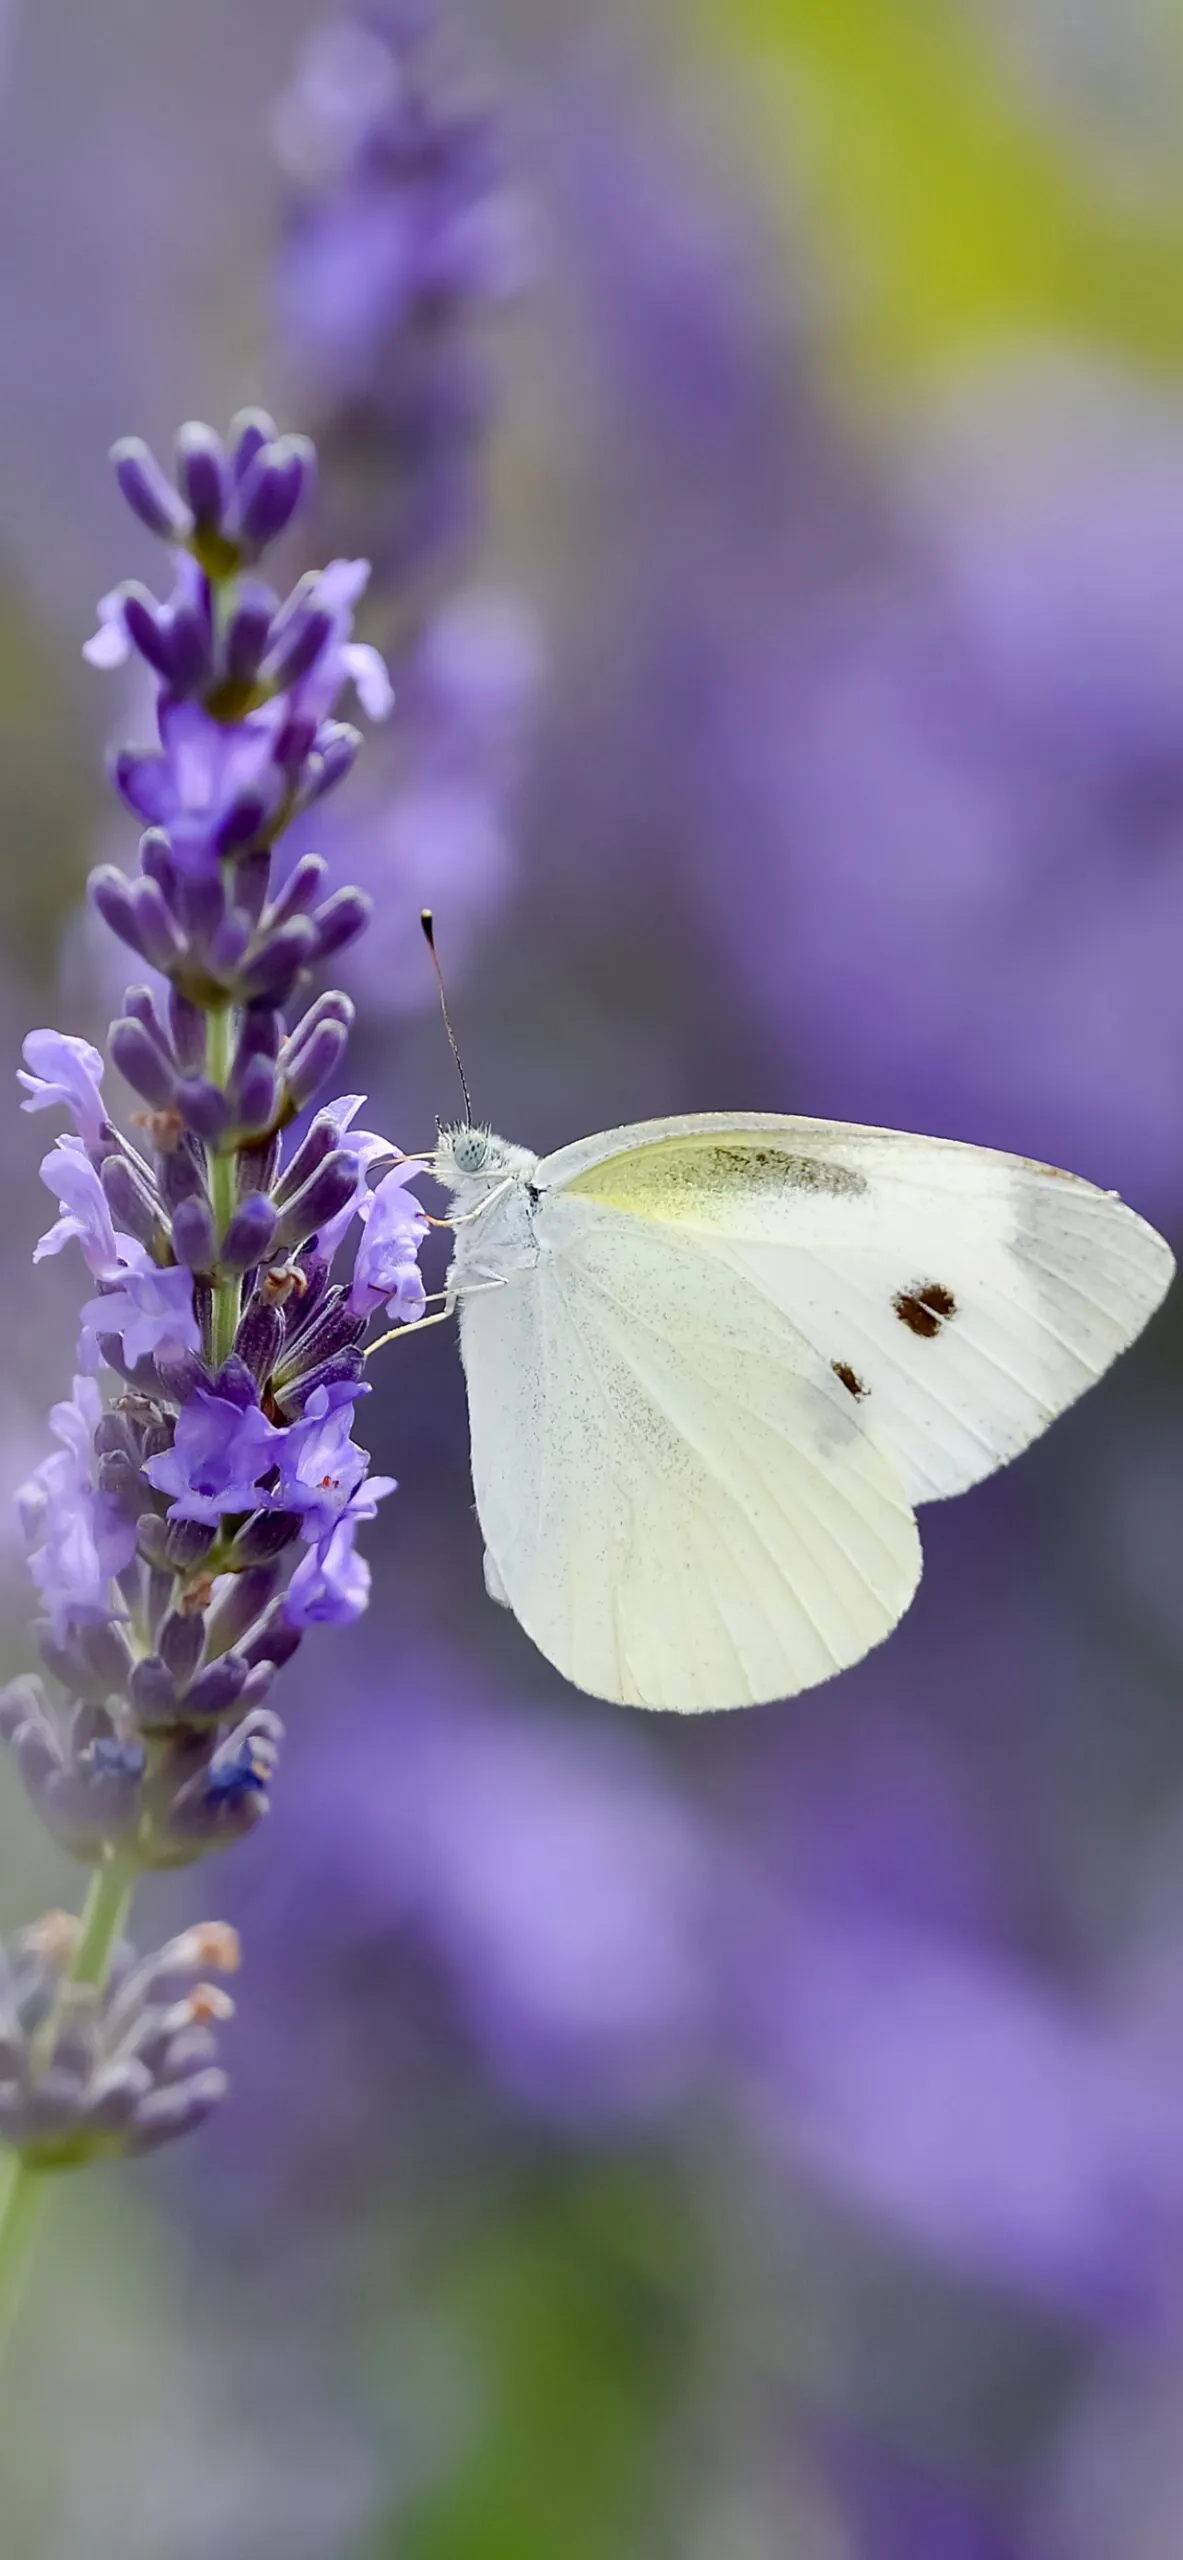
(760, 2140)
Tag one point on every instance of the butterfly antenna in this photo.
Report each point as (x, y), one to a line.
(427, 920)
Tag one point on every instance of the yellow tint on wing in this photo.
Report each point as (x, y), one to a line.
(716, 1181)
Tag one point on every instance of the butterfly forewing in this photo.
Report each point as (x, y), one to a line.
(962, 1298)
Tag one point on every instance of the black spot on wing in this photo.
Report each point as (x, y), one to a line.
(925, 1308)
(850, 1379)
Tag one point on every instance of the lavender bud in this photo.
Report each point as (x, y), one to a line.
(138, 913)
(153, 1692)
(118, 1475)
(337, 748)
(332, 1006)
(306, 635)
(216, 1689)
(194, 1242)
(148, 493)
(159, 940)
(234, 1381)
(139, 1004)
(181, 1640)
(315, 1063)
(247, 632)
(203, 1107)
(272, 1646)
(39, 1755)
(228, 942)
(258, 1338)
(258, 1095)
(148, 629)
(186, 1023)
(191, 651)
(113, 1432)
(250, 430)
(266, 1536)
(330, 1188)
(252, 879)
(22, 1703)
(116, 2096)
(278, 478)
(341, 919)
(140, 1061)
(348, 1363)
(156, 861)
(279, 959)
(300, 890)
(294, 744)
(318, 1142)
(250, 1233)
(253, 1089)
(259, 1036)
(202, 474)
(167, 2113)
(131, 1202)
(327, 1328)
(244, 821)
(249, 1594)
(104, 1648)
(200, 904)
(188, 1544)
(258, 1164)
(110, 895)
(152, 1541)
(180, 1176)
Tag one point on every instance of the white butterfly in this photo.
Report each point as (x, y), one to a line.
(713, 1363)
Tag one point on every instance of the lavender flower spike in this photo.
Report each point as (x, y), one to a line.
(200, 1511)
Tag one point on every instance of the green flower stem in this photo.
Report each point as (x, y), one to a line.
(20, 2215)
(219, 1050)
(103, 1916)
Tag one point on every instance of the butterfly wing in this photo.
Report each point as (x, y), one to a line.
(678, 1500)
(962, 1298)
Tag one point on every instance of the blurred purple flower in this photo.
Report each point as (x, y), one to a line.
(402, 228)
(403, 231)
(436, 828)
(545, 1867)
(956, 788)
(981, 2116)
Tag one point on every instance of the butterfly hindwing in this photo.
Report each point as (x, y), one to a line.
(678, 1498)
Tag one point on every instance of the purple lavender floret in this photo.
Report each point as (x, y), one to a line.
(61, 1069)
(200, 1513)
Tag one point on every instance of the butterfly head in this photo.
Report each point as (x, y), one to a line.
(472, 1161)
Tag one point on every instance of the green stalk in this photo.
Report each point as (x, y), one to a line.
(20, 2214)
(103, 1916)
(219, 1050)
